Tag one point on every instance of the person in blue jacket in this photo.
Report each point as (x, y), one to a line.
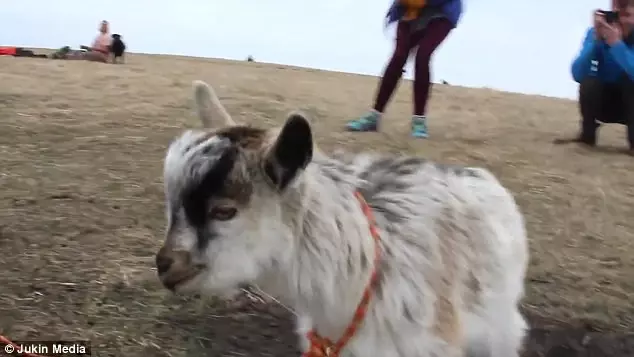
(422, 25)
(604, 69)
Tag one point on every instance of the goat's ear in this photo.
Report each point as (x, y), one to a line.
(209, 107)
(291, 152)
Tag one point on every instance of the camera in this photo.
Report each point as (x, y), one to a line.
(610, 16)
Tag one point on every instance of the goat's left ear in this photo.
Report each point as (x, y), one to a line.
(209, 107)
(291, 152)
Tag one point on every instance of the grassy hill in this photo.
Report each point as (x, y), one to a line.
(81, 206)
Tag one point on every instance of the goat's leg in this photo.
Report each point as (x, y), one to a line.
(497, 331)
(303, 325)
(477, 334)
(508, 335)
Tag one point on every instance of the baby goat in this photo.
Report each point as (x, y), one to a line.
(266, 207)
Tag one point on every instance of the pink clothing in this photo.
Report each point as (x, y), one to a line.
(101, 43)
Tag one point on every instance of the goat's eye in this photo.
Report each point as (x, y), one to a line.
(222, 213)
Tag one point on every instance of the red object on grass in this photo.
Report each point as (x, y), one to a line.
(7, 51)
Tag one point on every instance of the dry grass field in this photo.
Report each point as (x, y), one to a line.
(81, 205)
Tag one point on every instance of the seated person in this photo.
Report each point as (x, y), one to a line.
(604, 69)
(99, 51)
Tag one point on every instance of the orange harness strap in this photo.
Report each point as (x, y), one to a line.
(323, 347)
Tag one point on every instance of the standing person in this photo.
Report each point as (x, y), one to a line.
(604, 69)
(424, 24)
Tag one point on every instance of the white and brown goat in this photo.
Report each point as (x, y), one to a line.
(253, 206)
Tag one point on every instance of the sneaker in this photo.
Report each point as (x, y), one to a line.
(577, 139)
(367, 122)
(419, 126)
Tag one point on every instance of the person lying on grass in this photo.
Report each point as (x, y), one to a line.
(422, 25)
(604, 69)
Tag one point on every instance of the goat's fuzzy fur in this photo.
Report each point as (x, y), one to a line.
(453, 242)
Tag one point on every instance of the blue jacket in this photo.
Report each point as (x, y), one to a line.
(451, 8)
(613, 61)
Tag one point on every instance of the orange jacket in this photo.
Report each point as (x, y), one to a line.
(413, 8)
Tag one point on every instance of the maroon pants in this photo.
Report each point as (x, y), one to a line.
(427, 40)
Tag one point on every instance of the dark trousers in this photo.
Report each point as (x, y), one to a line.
(601, 102)
(427, 40)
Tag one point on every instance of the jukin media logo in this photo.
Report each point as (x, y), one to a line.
(48, 348)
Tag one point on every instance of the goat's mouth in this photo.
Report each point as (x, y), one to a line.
(176, 279)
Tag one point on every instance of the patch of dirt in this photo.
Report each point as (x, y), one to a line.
(81, 205)
(559, 339)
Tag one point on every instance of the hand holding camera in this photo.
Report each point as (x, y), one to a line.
(610, 17)
(606, 25)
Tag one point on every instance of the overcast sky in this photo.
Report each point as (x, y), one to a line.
(520, 45)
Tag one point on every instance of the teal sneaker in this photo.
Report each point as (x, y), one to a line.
(367, 122)
(419, 126)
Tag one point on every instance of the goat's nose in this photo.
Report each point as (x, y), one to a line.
(163, 263)
(168, 260)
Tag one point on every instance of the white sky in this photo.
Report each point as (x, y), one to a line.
(521, 46)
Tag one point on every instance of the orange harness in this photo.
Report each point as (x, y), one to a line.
(323, 347)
